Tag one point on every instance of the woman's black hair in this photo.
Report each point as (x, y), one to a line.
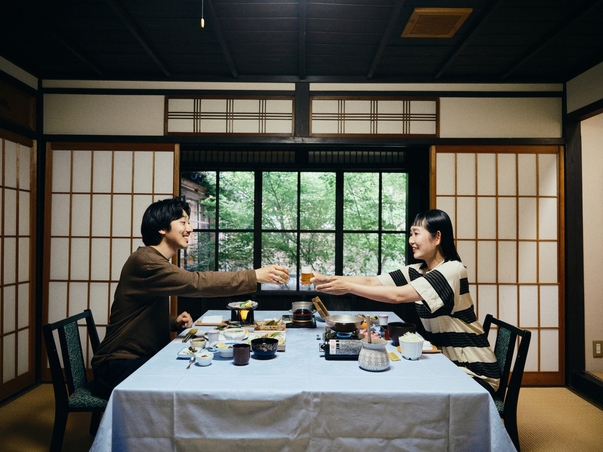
(437, 220)
(159, 216)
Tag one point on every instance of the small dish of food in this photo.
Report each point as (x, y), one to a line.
(204, 359)
(223, 348)
(243, 305)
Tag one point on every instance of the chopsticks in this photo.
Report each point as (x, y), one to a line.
(190, 334)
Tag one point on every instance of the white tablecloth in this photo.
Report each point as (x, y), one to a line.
(299, 401)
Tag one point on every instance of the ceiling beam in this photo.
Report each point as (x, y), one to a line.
(73, 50)
(133, 28)
(489, 10)
(220, 35)
(302, 38)
(567, 22)
(393, 18)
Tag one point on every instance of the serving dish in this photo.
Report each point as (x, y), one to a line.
(186, 352)
(235, 334)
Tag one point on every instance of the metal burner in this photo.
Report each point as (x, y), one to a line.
(354, 335)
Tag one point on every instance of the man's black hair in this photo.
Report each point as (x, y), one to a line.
(159, 216)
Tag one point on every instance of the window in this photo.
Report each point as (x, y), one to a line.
(348, 220)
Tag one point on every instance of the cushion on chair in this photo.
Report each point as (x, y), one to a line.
(500, 406)
(83, 398)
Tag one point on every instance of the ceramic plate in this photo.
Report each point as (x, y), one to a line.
(240, 305)
(186, 353)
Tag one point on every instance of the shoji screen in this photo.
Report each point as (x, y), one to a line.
(95, 199)
(17, 265)
(506, 206)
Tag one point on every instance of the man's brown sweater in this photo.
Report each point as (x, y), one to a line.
(140, 321)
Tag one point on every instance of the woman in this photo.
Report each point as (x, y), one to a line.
(440, 290)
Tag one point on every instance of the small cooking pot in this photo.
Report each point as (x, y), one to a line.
(302, 305)
(303, 314)
(344, 323)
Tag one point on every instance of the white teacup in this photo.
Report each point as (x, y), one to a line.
(213, 336)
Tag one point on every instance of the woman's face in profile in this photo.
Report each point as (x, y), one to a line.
(424, 246)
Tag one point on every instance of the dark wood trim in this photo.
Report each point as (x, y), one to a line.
(502, 149)
(543, 378)
(586, 112)
(574, 255)
(293, 141)
(15, 137)
(301, 119)
(589, 387)
(96, 146)
(303, 10)
(137, 33)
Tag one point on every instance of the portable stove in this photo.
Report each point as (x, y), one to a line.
(341, 346)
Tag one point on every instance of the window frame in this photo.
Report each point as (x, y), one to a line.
(415, 162)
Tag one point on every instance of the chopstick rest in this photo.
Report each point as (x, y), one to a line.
(393, 356)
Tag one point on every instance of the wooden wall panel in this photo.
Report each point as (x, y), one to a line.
(505, 205)
(94, 204)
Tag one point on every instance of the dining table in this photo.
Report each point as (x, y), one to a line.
(299, 401)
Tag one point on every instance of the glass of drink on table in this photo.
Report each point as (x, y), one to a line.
(306, 275)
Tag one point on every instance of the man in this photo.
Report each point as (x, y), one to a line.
(140, 323)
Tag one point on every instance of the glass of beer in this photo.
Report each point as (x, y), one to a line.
(306, 274)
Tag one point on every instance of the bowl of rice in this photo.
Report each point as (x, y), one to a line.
(411, 346)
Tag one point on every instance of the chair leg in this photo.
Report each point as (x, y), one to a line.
(58, 431)
(95, 422)
(511, 427)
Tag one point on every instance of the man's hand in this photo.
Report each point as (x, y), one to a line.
(272, 274)
(184, 320)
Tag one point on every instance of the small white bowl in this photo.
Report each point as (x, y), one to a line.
(227, 352)
(234, 334)
(204, 359)
(198, 343)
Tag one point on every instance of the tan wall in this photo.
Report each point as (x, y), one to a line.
(585, 89)
(592, 189)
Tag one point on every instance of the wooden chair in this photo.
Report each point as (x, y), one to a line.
(72, 390)
(507, 395)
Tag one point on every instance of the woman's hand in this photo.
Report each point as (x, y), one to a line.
(319, 278)
(184, 320)
(272, 274)
(334, 285)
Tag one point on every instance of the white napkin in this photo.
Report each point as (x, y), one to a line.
(211, 319)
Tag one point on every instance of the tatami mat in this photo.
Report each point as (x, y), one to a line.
(549, 420)
(556, 419)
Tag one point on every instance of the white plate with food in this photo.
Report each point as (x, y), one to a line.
(243, 305)
(223, 348)
(187, 352)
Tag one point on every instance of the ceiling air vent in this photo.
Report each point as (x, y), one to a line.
(435, 22)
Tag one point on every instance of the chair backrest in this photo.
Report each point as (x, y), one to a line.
(71, 352)
(504, 349)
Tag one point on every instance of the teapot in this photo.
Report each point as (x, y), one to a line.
(373, 356)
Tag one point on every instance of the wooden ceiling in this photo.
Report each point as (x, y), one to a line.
(303, 40)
